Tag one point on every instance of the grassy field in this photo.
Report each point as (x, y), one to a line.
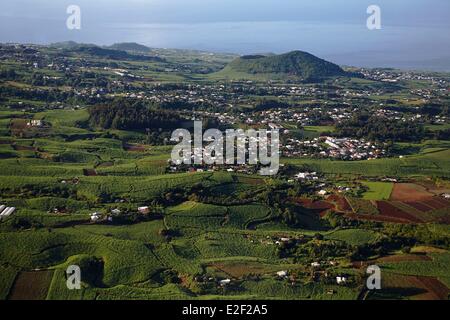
(378, 190)
(431, 163)
(353, 236)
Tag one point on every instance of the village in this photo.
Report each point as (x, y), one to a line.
(334, 148)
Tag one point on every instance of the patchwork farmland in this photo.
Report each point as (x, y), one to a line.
(87, 179)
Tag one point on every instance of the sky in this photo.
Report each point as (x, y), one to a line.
(336, 29)
(191, 11)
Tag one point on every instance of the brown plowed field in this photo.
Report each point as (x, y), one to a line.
(421, 206)
(341, 203)
(319, 207)
(388, 210)
(414, 287)
(31, 285)
(404, 258)
(409, 192)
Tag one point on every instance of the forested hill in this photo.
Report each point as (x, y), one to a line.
(130, 46)
(125, 51)
(296, 63)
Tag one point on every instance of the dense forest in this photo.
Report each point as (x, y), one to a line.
(122, 115)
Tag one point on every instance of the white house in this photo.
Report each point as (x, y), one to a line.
(96, 216)
(225, 282)
(341, 280)
(144, 210)
(35, 123)
(282, 274)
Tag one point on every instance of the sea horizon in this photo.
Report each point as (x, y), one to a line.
(348, 44)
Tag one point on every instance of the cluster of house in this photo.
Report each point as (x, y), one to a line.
(337, 148)
(340, 280)
(35, 123)
(284, 275)
(396, 75)
(99, 217)
(6, 211)
(313, 176)
(409, 117)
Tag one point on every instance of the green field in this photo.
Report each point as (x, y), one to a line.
(378, 190)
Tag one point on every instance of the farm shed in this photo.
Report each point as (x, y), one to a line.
(7, 211)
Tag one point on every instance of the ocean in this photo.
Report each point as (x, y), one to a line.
(418, 47)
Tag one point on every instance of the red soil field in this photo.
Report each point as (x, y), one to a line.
(419, 206)
(435, 204)
(409, 192)
(392, 259)
(319, 207)
(341, 203)
(415, 287)
(388, 210)
(404, 258)
(437, 290)
(444, 202)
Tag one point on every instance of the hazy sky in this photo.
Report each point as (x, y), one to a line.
(332, 28)
(395, 12)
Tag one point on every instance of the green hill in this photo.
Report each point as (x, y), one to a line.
(129, 51)
(296, 64)
(130, 46)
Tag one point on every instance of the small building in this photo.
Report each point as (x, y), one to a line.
(6, 211)
(315, 264)
(225, 282)
(144, 210)
(282, 274)
(96, 216)
(341, 280)
(35, 123)
(116, 212)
